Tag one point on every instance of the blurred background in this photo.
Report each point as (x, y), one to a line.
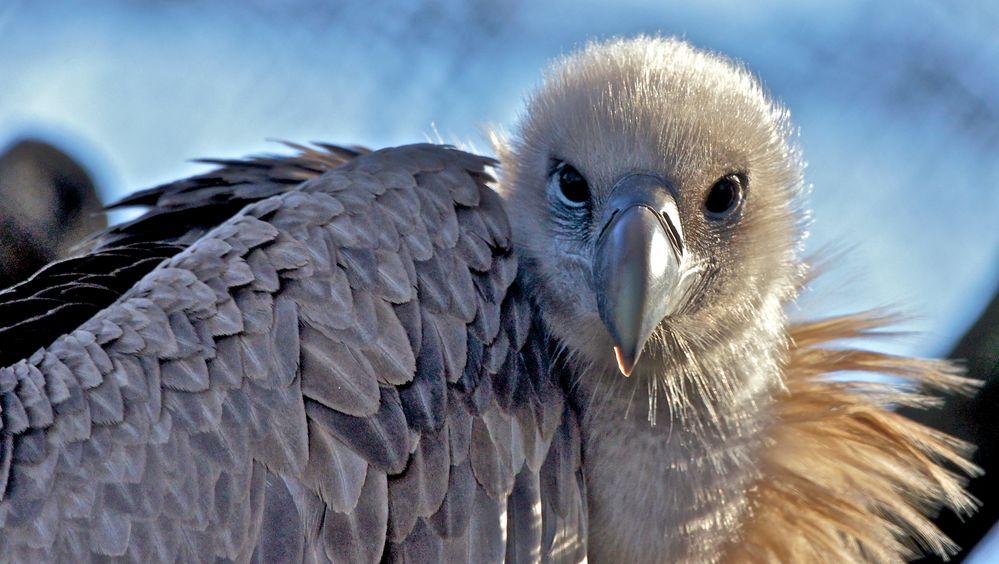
(898, 110)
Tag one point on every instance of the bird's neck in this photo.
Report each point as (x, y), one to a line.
(667, 478)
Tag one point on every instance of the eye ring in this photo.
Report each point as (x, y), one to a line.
(569, 185)
(725, 196)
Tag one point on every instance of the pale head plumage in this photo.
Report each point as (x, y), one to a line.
(659, 106)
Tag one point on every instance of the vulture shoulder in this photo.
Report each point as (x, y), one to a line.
(323, 357)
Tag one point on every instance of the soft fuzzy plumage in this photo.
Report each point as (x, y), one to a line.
(845, 478)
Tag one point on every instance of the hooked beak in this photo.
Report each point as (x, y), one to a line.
(636, 263)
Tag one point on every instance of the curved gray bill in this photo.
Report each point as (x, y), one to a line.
(636, 263)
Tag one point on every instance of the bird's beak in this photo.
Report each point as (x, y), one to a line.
(636, 263)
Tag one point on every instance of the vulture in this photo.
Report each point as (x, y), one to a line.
(579, 352)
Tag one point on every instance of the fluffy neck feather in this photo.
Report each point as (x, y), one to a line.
(799, 469)
(670, 453)
(844, 477)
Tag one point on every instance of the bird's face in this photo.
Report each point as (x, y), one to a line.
(653, 193)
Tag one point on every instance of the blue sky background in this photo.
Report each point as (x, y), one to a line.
(898, 107)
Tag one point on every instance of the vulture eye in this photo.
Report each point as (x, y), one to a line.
(571, 188)
(724, 197)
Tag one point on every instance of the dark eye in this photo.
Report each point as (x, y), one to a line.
(570, 186)
(724, 196)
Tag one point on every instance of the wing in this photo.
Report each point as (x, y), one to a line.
(344, 370)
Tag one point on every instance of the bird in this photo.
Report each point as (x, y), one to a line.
(580, 351)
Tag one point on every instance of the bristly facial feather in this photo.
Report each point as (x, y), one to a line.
(659, 106)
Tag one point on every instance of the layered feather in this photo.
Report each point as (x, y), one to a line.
(292, 381)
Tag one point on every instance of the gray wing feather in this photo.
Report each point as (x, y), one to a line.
(283, 541)
(523, 519)
(424, 398)
(452, 517)
(392, 357)
(359, 536)
(484, 538)
(563, 503)
(422, 544)
(382, 439)
(336, 469)
(344, 371)
(332, 376)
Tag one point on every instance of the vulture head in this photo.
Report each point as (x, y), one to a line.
(653, 190)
